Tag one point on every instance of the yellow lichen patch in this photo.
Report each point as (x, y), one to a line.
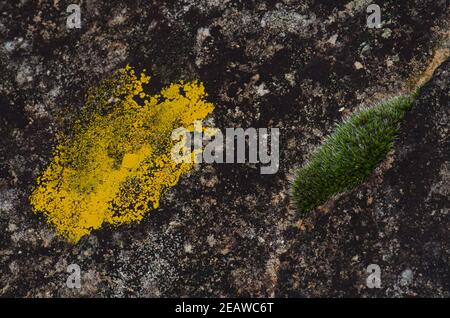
(116, 162)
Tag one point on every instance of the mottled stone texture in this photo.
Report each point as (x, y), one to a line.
(226, 230)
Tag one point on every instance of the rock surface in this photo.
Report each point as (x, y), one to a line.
(226, 230)
(398, 220)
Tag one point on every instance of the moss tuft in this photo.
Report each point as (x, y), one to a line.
(350, 154)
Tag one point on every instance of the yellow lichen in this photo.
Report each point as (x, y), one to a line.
(116, 162)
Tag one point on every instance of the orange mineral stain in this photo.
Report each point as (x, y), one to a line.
(116, 163)
(439, 56)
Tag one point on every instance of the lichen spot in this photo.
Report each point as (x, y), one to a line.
(115, 163)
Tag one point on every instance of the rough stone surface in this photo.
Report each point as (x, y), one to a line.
(226, 230)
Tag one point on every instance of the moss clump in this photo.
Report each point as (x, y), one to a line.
(350, 154)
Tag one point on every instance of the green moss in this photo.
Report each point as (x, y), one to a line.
(350, 154)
